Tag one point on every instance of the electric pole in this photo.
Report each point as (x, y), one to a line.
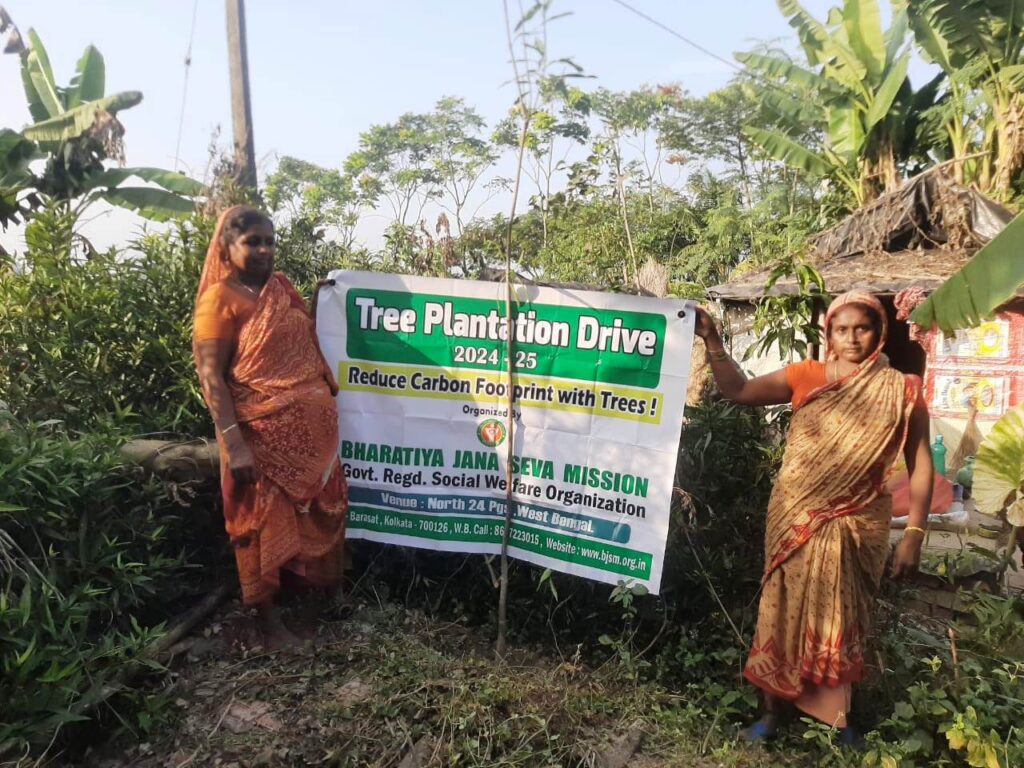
(241, 109)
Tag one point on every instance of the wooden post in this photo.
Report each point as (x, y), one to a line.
(241, 109)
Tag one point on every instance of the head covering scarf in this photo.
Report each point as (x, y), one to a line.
(856, 298)
(217, 267)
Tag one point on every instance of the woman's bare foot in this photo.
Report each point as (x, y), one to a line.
(276, 636)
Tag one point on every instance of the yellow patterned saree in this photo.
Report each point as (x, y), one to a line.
(827, 537)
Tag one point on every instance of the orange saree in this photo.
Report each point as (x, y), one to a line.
(293, 517)
(827, 537)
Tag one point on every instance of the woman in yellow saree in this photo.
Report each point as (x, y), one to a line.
(827, 532)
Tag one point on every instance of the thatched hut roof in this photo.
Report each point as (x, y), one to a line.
(916, 236)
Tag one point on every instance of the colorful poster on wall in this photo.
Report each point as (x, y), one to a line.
(955, 392)
(989, 341)
(597, 404)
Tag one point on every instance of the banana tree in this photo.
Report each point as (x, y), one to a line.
(866, 112)
(74, 132)
(979, 45)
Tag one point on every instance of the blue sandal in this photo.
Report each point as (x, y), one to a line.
(760, 731)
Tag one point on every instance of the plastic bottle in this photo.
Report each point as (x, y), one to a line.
(939, 455)
(966, 474)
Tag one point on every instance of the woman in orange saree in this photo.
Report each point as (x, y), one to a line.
(827, 532)
(271, 396)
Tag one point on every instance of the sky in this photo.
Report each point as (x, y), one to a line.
(324, 71)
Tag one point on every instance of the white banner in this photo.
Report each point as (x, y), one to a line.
(600, 383)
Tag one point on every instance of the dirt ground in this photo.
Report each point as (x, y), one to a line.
(388, 687)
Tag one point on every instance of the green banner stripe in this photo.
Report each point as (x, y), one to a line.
(598, 555)
(616, 346)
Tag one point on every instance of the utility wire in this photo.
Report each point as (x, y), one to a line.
(753, 75)
(184, 87)
(685, 39)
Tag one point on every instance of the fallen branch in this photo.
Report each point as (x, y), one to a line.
(154, 652)
(177, 461)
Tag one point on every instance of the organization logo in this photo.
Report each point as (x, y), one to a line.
(491, 433)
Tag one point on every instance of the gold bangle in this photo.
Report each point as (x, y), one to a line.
(719, 355)
(228, 429)
(915, 528)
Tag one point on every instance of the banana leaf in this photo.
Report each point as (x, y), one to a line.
(155, 204)
(89, 82)
(37, 75)
(862, 21)
(787, 151)
(999, 469)
(986, 282)
(887, 91)
(76, 121)
(169, 180)
(778, 67)
(15, 154)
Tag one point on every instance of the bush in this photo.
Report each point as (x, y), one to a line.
(90, 566)
(107, 337)
(110, 336)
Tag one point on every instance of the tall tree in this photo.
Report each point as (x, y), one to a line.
(459, 156)
(557, 126)
(320, 196)
(393, 163)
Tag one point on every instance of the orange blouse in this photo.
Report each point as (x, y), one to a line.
(224, 308)
(221, 311)
(807, 376)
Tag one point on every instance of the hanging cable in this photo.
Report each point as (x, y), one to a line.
(685, 39)
(184, 87)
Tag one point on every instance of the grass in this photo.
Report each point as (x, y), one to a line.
(372, 688)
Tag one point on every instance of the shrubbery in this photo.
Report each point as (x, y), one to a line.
(92, 555)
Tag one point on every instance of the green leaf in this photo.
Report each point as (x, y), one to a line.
(846, 132)
(862, 21)
(986, 282)
(5, 507)
(75, 122)
(89, 82)
(828, 50)
(155, 204)
(36, 66)
(172, 181)
(785, 150)
(778, 67)
(928, 35)
(883, 98)
(999, 469)
(904, 711)
(16, 152)
(899, 26)
(814, 37)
